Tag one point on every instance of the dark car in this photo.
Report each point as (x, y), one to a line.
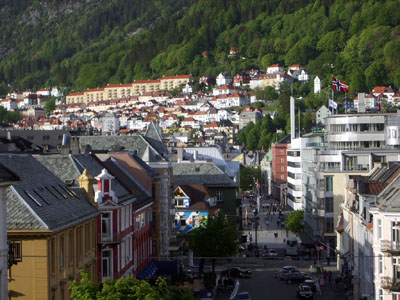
(236, 272)
(304, 292)
(295, 277)
(285, 271)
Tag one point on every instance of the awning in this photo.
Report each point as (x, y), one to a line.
(340, 224)
(148, 272)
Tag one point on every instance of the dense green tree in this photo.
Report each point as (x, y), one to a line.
(217, 237)
(376, 74)
(126, 288)
(122, 40)
(294, 221)
(50, 104)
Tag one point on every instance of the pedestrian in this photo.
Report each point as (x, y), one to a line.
(267, 223)
(328, 261)
(275, 234)
(277, 222)
(329, 276)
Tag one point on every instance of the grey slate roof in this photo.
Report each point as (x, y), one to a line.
(130, 143)
(153, 137)
(6, 175)
(70, 167)
(142, 198)
(94, 166)
(201, 173)
(51, 138)
(62, 166)
(41, 200)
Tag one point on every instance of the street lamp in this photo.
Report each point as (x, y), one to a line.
(255, 220)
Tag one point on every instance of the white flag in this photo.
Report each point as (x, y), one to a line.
(332, 104)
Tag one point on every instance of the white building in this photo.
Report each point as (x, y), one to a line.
(224, 79)
(352, 144)
(322, 113)
(275, 68)
(294, 177)
(317, 85)
(110, 123)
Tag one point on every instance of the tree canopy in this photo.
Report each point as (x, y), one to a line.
(119, 41)
(126, 288)
(215, 238)
(294, 221)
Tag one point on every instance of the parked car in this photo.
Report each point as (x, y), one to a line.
(311, 283)
(295, 277)
(304, 292)
(243, 296)
(236, 272)
(272, 252)
(285, 270)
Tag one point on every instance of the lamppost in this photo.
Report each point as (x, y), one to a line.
(255, 220)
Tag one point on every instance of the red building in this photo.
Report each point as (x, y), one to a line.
(123, 227)
(279, 169)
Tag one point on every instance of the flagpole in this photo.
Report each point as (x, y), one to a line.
(333, 93)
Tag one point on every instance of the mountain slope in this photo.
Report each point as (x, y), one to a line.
(83, 44)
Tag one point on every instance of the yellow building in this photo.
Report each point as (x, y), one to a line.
(170, 82)
(138, 87)
(53, 229)
(118, 91)
(75, 98)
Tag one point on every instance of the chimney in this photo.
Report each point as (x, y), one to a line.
(86, 181)
(75, 145)
(179, 157)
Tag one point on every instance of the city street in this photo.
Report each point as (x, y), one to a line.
(263, 285)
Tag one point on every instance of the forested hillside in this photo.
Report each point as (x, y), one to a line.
(88, 43)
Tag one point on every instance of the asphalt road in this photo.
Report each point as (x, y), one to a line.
(264, 286)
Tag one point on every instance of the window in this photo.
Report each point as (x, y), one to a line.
(62, 251)
(379, 231)
(62, 291)
(282, 160)
(329, 225)
(380, 263)
(70, 246)
(282, 177)
(137, 222)
(329, 184)
(106, 226)
(329, 204)
(46, 137)
(53, 256)
(281, 151)
(87, 239)
(180, 202)
(282, 169)
(106, 270)
(79, 243)
(220, 196)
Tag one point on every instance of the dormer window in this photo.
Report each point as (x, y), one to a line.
(180, 203)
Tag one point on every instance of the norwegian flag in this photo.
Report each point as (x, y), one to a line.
(339, 85)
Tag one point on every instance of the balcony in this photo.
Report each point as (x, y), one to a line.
(389, 283)
(108, 239)
(391, 247)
